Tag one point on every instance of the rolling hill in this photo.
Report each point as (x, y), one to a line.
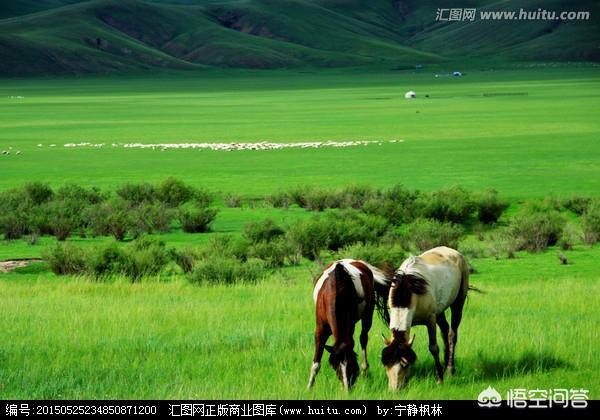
(109, 36)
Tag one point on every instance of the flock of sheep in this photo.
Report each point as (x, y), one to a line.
(227, 147)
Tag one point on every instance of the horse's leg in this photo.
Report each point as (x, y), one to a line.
(322, 333)
(444, 328)
(435, 350)
(457, 309)
(367, 321)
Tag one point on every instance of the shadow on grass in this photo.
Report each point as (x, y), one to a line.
(529, 361)
(486, 367)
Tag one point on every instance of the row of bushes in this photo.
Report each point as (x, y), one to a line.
(216, 262)
(398, 204)
(265, 245)
(134, 209)
(533, 229)
(143, 257)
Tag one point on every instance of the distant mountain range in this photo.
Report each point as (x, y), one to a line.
(53, 37)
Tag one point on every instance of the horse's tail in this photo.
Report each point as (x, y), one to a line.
(381, 297)
(382, 282)
(343, 280)
(466, 271)
(477, 289)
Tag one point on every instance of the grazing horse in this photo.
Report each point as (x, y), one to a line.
(422, 289)
(347, 291)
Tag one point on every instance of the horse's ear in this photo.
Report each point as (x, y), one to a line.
(329, 348)
(385, 340)
(411, 341)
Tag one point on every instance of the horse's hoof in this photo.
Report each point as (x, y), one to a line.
(439, 381)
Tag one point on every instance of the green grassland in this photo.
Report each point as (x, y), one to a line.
(526, 133)
(71, 338)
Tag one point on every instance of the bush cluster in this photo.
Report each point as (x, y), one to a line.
(335, 230)
(536, 229)
(133, 210)
(141, 258)
(424, 234)
(397, 203)
(591, 223)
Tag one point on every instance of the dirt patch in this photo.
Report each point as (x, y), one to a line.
(10, 265)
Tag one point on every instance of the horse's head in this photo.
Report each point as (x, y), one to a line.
(397, 357)
(343, 360)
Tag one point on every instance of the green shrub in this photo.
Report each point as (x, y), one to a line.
(355, 196)
(397, 204)
(335, 230)
(224, 246)
(118, 221)
(113, 217)
(280, 199)
(202, 197)
(450, 205)
(145, 256)
(264, 230)
(150, 218)
(571, 235)
(37, 193)
(475, 248)
(107, 260)
(76, 193)
(233, 200)
(185, 258)
(388, 255)
(274, 253)
(96, 217)
(346, 227)
(38, 220)
(63, 217)
(298, 196)
(317, 199)
(174, 193)
(66, 259)
(13, 224)
(489, 206)
(424, 234)
(537, 230)
(196, 220)
(503, 244)
(577, 204)
(309, 237)
(590, 223)
(137, 194)
(227, 270)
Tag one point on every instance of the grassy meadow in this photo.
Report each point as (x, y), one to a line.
(72, 338)
(528, 132)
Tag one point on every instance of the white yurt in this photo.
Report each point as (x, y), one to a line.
(410, 95)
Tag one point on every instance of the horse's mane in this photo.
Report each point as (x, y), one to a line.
(404, 285)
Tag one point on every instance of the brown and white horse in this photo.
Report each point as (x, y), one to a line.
(422, 289)
(346, 291)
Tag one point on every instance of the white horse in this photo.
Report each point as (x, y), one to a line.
(422, 289)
